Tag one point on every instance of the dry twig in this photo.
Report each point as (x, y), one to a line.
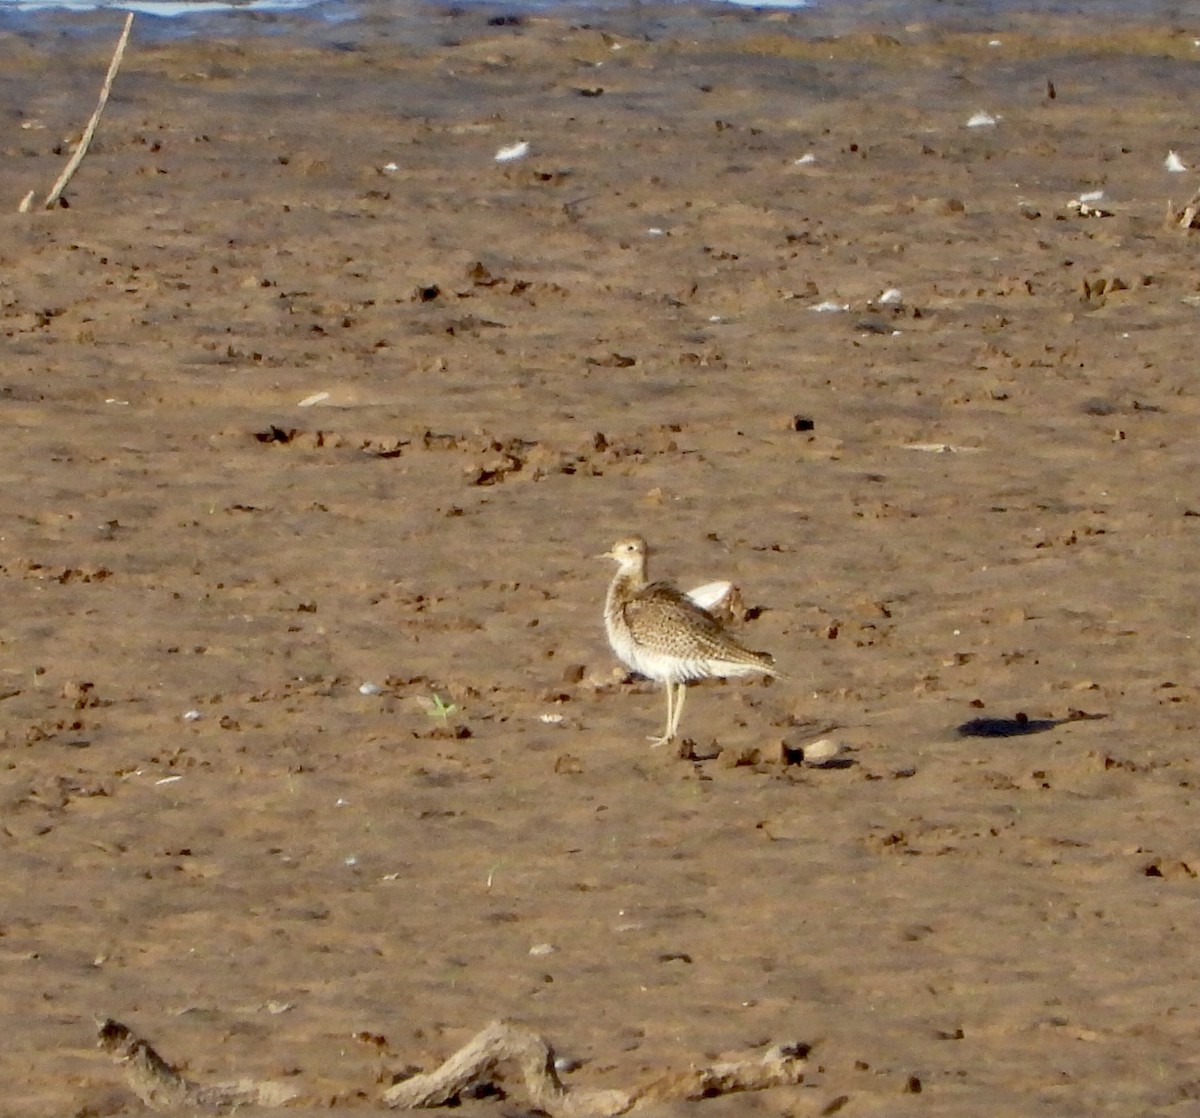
(85, 141)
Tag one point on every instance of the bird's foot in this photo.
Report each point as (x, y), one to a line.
(655, 742)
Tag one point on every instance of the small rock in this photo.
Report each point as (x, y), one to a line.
(738, 756)
(822, 752)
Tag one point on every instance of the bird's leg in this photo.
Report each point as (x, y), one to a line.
(673, 729)
(669, 733)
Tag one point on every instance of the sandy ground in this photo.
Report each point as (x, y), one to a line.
(209, 831)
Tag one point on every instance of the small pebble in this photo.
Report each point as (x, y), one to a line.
(370, 689)
(192, 716)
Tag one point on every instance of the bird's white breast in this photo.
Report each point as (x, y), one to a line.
(659, 666)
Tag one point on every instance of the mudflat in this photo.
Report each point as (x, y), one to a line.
(314, 755)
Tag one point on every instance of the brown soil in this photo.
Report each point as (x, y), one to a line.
(987, 909)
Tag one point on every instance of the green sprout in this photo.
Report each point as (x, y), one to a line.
(439, 708)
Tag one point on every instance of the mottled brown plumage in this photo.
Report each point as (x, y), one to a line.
(663, 634)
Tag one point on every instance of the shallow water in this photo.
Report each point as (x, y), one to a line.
(159, 19)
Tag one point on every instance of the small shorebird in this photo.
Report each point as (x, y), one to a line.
(666, 635)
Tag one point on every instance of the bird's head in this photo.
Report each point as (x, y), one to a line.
(629, 553)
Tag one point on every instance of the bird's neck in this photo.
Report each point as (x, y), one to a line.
(625, 584)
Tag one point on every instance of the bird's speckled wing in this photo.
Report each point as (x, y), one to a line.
(666, 622)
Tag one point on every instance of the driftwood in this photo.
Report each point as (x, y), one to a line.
(480, 1062)
(1189, 216)
(164, 1089)
(81, 148)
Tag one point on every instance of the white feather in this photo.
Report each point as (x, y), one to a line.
(711, 594)
(513, 151)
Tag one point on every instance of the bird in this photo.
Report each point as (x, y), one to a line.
(667, 635)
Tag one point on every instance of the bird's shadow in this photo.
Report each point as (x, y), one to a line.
(1020, 725)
